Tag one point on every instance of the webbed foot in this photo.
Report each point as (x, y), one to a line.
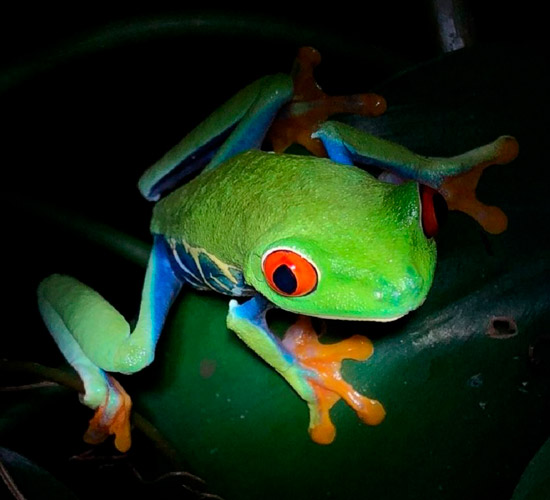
(460, 191)
(112, 418)
(310, 107)
(319, 367)
(455, 178)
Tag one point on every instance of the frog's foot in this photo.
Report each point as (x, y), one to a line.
(112, 417)
(460, 191)
(310, 107)
(319, 381)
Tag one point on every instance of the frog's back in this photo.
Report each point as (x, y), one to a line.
(226, 211)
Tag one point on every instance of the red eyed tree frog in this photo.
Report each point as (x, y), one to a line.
(319, 237)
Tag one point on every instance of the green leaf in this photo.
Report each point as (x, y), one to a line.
(535, 481)
(465, 404)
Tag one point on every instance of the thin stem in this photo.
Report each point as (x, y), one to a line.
(72, 381)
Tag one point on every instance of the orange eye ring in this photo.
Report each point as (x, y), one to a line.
(289, 273)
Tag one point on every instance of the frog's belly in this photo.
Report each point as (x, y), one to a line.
(204, 271)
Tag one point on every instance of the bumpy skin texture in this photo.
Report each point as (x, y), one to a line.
(364, 236)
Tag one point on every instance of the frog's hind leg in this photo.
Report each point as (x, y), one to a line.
(101, 391)
(95, 339)
(311, 106)
(238, 125)
(311, 368)
(455, 178)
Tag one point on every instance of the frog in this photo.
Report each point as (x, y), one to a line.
(318, 235)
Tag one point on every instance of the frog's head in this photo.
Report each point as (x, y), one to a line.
(365, 257)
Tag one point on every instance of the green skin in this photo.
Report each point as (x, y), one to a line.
(363, 236)
(373, 260)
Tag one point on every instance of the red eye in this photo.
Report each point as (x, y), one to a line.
(434, 210)
(288, 273)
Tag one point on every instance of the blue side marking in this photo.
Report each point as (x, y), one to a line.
(203, 273)
(239, 277)
(182, 264)
(188, 267)
(214, 277)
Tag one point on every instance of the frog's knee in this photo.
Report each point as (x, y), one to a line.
(95, 394)
(133, 357)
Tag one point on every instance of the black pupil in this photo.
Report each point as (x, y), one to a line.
(284, 279)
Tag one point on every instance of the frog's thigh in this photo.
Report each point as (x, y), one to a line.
(94, 336)
(348, 145)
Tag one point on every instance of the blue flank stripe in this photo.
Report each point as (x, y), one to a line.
(188, 267)
(204, 274)
(215, 278)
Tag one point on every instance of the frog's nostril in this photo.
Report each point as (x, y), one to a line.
(413, 282)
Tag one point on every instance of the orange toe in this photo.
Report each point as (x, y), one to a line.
(324, 362)
(105, 422)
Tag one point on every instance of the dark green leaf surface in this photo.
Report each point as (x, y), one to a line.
(466, 410)
(535, 481)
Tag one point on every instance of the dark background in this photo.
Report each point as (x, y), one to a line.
(407, 28)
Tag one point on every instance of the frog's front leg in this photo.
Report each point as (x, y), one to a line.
(95, 339)
(311, 368)
(455, 178)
